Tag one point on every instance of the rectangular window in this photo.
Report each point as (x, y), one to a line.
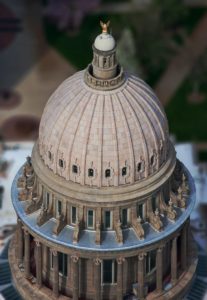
(107, 219)
(150, 261)
(73, 215)
(140, 212)
(59, 207)
(124, 217)
(154, 204)
(47, 199)
(63, 263)
(90, 218)
(109, 271)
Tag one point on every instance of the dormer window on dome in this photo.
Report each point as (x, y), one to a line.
(90, 172)
(61, 163)
(75, 169)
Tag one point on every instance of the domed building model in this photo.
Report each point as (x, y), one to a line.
(103, 205)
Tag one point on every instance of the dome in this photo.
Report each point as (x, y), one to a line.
(104, 42)
(103, 138)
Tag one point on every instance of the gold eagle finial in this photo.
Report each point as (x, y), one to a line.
(104, 26)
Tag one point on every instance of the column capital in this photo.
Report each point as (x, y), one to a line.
(54, 252)
(142, 255)
(38, 243)
(160, 249)
(120, 260)
(97, 261)
(26, 232)
(74, 258)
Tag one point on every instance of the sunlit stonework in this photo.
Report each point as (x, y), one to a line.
(103, 205)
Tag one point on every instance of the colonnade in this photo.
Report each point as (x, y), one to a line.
(23, 257)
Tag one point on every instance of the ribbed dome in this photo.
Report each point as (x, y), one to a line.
(103, 138)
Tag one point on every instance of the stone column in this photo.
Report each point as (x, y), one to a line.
(119, 292)
(174, 261)
(75, 270)
(38, 257)
(97, 278)
(20, 243)
(27, 253)
(159, 270)
(141, 275)
(183, 249)
(55, 274)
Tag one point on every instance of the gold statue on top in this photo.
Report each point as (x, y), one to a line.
(104, 26)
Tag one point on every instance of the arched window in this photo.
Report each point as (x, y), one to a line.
(90, 172)
(61, 163)
(140, 166)
(124, 171)
(75, 169)
(107, 173)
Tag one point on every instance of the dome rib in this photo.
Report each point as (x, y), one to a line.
(143, 103)
(148, 99)
(100, 142)
(103, 129)
(129, 140)
(139, 128)
(68, 119)
(87, 135)
(114, 126)
(149, 92)
(70, 148)
(58, 111)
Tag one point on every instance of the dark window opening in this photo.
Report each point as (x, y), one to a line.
(61, 163)
(154, 204)
(63, 263)
(107, 173)
(139, 167)
(152, 160)
(47, 199)
(49, 155)
(124, 171)
(90, 172)
(90, 218)
(59, 208)
(150, 261)
(75, 169)
(109, 271)
(74, 215)
(140, 211)
(124, 217)
(107, 219)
